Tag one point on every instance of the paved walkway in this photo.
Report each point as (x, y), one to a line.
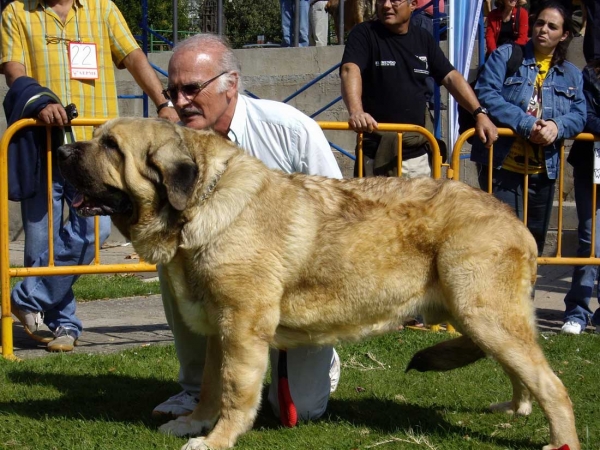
(117, 324)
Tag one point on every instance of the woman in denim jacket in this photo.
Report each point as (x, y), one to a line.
(543, 104)
(581, 157)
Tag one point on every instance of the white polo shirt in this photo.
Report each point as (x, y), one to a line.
(282, 137)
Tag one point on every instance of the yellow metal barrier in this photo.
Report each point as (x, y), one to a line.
(454, 173)
(6, 272)
(436, 169)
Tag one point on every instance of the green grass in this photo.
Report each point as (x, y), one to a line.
(79, 401)
(97, 287)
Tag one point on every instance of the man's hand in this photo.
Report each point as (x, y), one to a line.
(544, 132)
(362, 121)
(169, 114)
(53, 114)
(486, 130)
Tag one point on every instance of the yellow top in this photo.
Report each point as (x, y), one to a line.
(515, 161)
(33, 35)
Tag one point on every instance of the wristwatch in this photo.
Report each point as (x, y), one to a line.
(167, 104)
(480, 110)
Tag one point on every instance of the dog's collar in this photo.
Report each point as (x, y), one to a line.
(213, 184)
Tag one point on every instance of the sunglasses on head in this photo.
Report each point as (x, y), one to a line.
(190, 90)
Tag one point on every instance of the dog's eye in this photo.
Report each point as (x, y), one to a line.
(110, 144)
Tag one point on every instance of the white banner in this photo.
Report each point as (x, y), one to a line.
(463, 20)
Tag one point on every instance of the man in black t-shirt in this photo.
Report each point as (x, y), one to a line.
(384, 70)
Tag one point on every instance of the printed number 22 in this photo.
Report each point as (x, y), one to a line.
(81, 55)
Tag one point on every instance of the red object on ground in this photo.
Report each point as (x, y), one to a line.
(287, 409)
(564, 447)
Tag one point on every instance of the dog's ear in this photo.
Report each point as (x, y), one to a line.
(178, 170)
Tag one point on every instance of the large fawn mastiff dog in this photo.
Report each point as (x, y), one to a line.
(258, 258)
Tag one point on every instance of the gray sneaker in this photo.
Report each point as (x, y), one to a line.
(181, 404)
(65, 340)
(32, 324)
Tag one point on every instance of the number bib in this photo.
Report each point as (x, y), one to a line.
(84, 61)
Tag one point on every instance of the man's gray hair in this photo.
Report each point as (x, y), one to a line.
(227, 62)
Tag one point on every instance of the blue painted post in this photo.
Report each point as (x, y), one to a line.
(144, 26)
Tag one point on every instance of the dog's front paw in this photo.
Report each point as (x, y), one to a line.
(184, 426)
(195, 444)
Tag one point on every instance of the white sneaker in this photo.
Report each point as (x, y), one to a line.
(181, 404)
(571, 327)
(334, 372)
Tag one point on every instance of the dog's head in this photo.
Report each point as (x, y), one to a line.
(142, 172)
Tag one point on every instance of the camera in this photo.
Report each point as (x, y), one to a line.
(71, 111)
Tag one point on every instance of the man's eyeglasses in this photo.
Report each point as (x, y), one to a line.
(189, 91)
(58, 40)
(394, 3)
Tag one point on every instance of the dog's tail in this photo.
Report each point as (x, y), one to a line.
(446, 355)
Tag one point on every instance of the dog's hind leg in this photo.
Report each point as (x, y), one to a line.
(521, 400)
(529, 371)
(493, 307)
(508, 334)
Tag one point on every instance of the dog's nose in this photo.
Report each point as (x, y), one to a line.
(65, 151)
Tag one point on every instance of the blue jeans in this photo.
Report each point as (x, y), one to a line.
(73, 244)
(577, 300)
(508, 187)
(287, 22)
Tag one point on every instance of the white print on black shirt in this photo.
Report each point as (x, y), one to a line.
(424, 60)
(385, 63)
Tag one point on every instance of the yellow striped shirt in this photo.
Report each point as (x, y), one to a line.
(33, 35)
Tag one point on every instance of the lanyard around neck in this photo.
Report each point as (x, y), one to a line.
(57, 39)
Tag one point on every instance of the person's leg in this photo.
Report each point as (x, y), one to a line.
(506, 187)
(191, 354)
(287, 14)
(539, 208)
(309, 380)
(35, 226)
(577, 300)
(369, 151)
(190, 346)
(416, 167)
(303, 40)
(319, 24)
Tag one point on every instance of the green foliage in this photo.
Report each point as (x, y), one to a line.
(160, 15)
(246, 19)
(103, 402)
